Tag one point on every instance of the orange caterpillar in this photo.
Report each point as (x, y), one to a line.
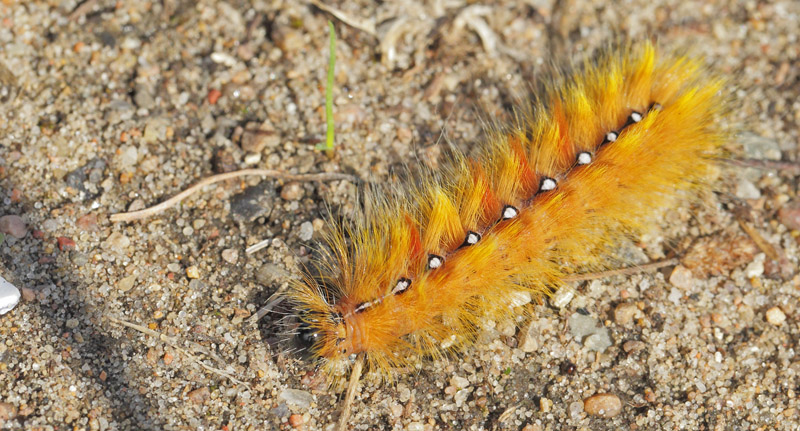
(593, 160)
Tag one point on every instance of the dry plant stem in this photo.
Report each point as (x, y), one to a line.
(82, 9)
(174, 342)
(147, 212)
(761, 243)
(624, 271)
(792, 167)
(355, 376)
(367, 26)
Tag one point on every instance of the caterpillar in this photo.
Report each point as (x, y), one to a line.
(593, 159)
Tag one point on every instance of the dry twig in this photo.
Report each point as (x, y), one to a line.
(624, 271)
(367, 26)
(147, 212)
(175, 343)
(791, 167)
(355, 376)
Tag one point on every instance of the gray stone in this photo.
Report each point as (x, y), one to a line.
(296, 397)
(760, 147)
(306, 231)
(589, 332)
(13, 225)
(254, 202)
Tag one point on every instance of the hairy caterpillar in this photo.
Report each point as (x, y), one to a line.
(590, 161)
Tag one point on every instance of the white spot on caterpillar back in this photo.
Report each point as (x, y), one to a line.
(435, 261)
(509, 212)
(547, 185)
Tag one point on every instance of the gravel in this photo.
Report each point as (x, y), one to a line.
(106, 107)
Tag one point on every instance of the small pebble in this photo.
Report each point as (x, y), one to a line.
(117, 242)
(296, 397)
(256, 137)
(254, 202)
(529, 338)
(459, 382)
(9, 296)
(292, 192)
(649, 395)
(598, 342)
(518, 299)
(682, 277)
(295, 420)
(28, 294)
(288, 39)
(199, 396)
(603, 405)
(193, 272)
(8, 411)
(136, 205)
(271, 273)
(589, 332)
(755, 268)
(403, 393)
(213, 96)
(675, 296)
(252, 158)
(789, 215)
(65, 243)
(624, 313)
(461, 397)
(396, 409)
(306, 231)
(545, 404)
(87, 223)
(13, 225)
(776, 316)
(633, 346)
(128, 156)
(575, 410)
(126, 283)
(230, 255)
(745, 189)
(562, 297)
(760, 147)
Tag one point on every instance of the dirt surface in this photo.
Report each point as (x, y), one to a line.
(108, 106)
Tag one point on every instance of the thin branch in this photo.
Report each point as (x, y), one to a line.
(792, 167)
(355, 376)
(175, 343)
(624, 271)
(367, 26)
(147, 212)
(82, 9)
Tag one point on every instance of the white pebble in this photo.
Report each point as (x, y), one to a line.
(9, 296)
(296, 397)
(230, 255)
(776, 316)
(306, 231)
(562, 297)
(755, 268)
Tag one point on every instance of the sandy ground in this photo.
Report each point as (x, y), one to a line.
(107, 106)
